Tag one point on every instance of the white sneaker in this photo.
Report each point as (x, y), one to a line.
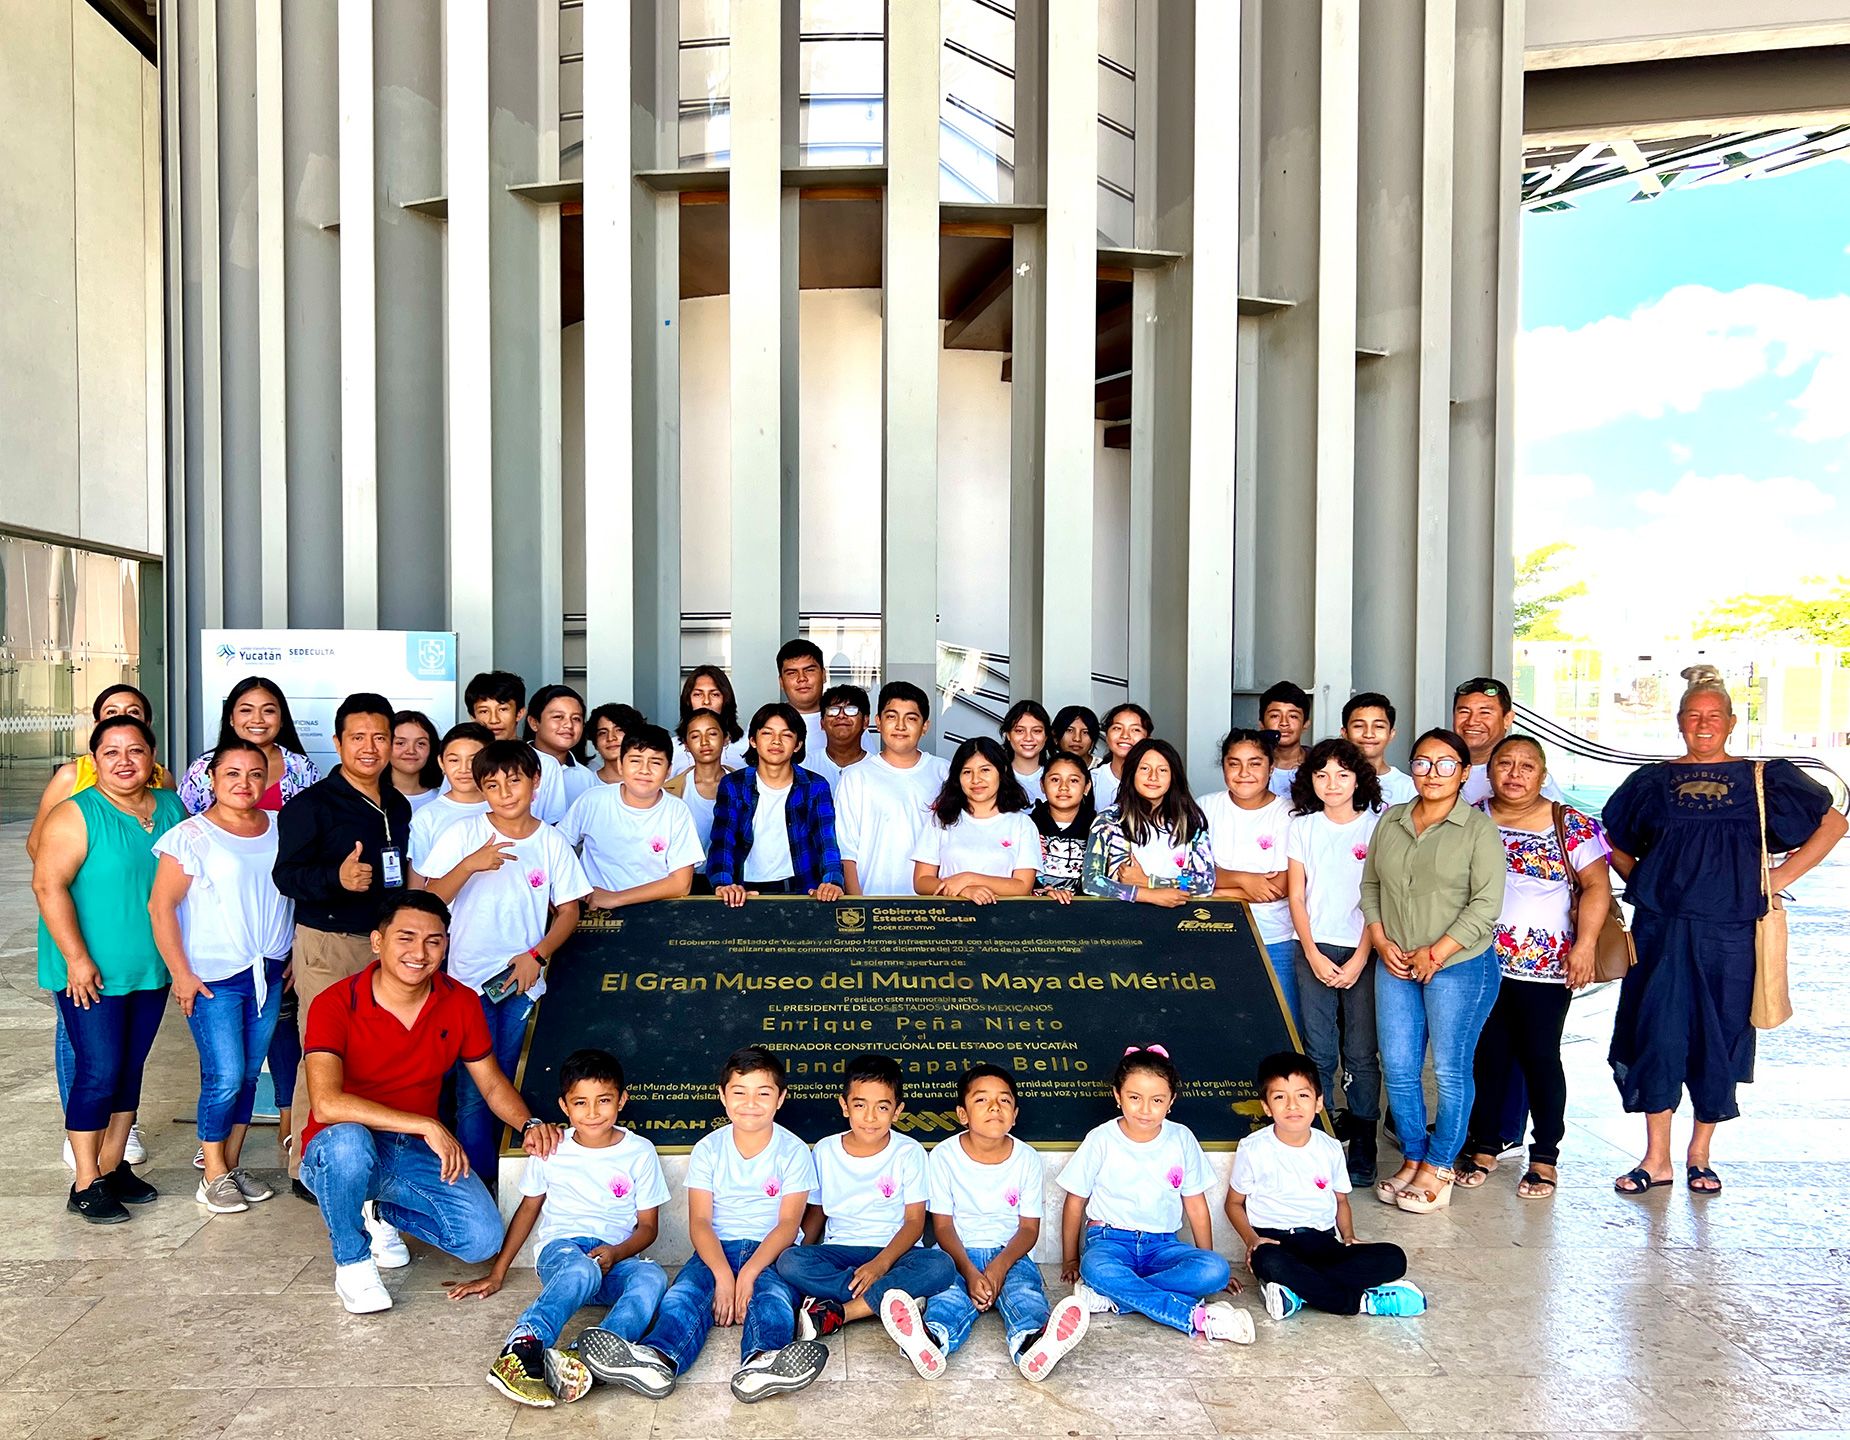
(136, 1151)
(904, 1319)
(1221, 1321)
(1095, 1303)
(389, 1251)
(70, 1156)
(1066, 1327)
(360, 1288)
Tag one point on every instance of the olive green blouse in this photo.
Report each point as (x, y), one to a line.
(1448, 881)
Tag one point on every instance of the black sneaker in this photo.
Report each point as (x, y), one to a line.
(817, 1318)
(777, 1372)
(96, 1204)
(128, 1187)
(1362, 1156)
(615, 1361)
(302, 1192)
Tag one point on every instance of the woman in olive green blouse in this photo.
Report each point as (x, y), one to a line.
(1432, 887)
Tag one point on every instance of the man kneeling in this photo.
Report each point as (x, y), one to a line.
(376, 1049)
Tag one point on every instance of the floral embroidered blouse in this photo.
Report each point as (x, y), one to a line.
(1536, 927)
(1170, 863)
(299, 772)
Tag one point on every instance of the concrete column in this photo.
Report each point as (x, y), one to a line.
(359, 359)
(763, 344)
(471, 435)
(273, 381)
(1431, 689)
(239, 319)
(1027, 384)
(910, 346)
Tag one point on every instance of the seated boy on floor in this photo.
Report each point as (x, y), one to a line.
(985, 1203)
(748, 1183)
(1289, 1200)
(596, 1200)
(868, 1210)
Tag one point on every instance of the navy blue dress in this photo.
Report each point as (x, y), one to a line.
(1683, 1010)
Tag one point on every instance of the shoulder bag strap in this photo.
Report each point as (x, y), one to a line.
(1766, 861)
(1560, 818)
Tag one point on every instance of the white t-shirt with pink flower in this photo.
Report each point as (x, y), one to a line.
(594, 1194)
(1137, 1184)
(864, 1197)
(1332, 856)
(624, 846)
(501, 913)
(1253, 843)
(747, 1192)
(998, 845)
(1290, 1186)
(986, 1203)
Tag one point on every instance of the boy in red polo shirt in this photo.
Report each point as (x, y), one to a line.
(377, 1047)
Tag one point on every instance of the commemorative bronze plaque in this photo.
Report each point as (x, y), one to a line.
(1052, 993)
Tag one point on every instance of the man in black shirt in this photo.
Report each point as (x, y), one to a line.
(340, 849)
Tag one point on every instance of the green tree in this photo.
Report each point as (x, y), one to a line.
(1540, 595)
(1821, 613)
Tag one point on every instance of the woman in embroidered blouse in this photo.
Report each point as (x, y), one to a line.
(256, 710)
(1152, 845)
(1545, 944)
(1686, 835)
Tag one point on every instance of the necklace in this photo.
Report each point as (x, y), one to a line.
(145, 821)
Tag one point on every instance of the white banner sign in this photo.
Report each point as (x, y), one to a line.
(317, 669)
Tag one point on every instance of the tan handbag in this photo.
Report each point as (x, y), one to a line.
(1615, 954)
(1772, 1005)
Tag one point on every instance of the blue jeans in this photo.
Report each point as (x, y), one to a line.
(686, 1313)
(1155, 1275)
(1022, 1303)
(110, 1042)
(1354, 1037)
(1281, 960)
(825, 1270)
(347, 1165)
(1450, 1010)
(232, 1035)
(477, 1125)
(570, 1278)
(286, 1050)
(63, 1059)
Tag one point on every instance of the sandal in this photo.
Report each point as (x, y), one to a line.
(1701, 1180)
(1471, 1174)
(1424, 1202)
(1637, 1181)
(1389, 1190)
(1529, 1187)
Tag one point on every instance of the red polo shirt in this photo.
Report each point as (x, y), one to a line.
(385, 1062)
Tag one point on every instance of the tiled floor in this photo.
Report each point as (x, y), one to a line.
(1587, 1314)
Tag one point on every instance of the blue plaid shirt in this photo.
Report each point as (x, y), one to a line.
(809, 819)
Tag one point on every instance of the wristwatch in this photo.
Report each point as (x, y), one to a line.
(532, 1120)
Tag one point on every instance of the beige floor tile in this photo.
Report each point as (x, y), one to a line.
(699, 1410)
(23, 1278)
(143, 1415)
(1715, 1404)
(32, 1324)
(1797, 1330)
(40, 1228)
(1068, 1403)
(1507, 1405)
(391, 1413)
(22, 1410)
(607, 1413)
(1304, 1407)
(181, 1273)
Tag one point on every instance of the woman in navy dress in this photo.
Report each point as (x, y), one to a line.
(1686, 837)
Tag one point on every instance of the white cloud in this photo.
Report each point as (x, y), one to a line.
(1666, 357)
(1680, 453)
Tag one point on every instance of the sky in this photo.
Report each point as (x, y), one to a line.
(1683, 397)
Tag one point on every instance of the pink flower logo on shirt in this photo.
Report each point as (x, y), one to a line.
(1181, 859)
(1265, 842)
(1012, 1196)
(772, 1188)
(657, 844)
(1360, 852)
(1175, 1177)
(620, 1186)
(1007, 843)
(536, 879)
(1322, 1183)
(887, 1187)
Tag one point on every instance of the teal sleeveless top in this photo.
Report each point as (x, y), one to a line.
(111, 892)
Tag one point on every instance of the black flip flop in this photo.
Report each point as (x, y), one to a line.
(1641, 1180)
(1535, 1177)
(1693, 1173)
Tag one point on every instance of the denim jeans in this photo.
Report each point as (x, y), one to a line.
(1450, 1010)
(1022, 1303)
(686, 1313)
(110, 1042)
(285, 1055)
(1155, 1275)
(1353, 1041)
(825, 1270)
(477, 1125)
(348, 1164)
(570, 1278)
(232, 1035)
(1280, 958)
(63, 1059)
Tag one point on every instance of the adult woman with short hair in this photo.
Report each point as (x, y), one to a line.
(225, 932)
(1688, 836)
(96, 953)
(1545, 946)
(1432, 888)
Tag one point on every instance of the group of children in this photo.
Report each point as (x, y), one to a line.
(791, 1245)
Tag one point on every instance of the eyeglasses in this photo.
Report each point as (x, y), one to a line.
(1444, 768)
(840, 712)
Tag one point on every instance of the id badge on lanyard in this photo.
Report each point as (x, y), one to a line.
(391, 868)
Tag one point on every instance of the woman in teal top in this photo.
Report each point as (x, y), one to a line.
(92, 878)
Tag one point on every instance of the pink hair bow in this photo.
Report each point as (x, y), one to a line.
(1150, 1049)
